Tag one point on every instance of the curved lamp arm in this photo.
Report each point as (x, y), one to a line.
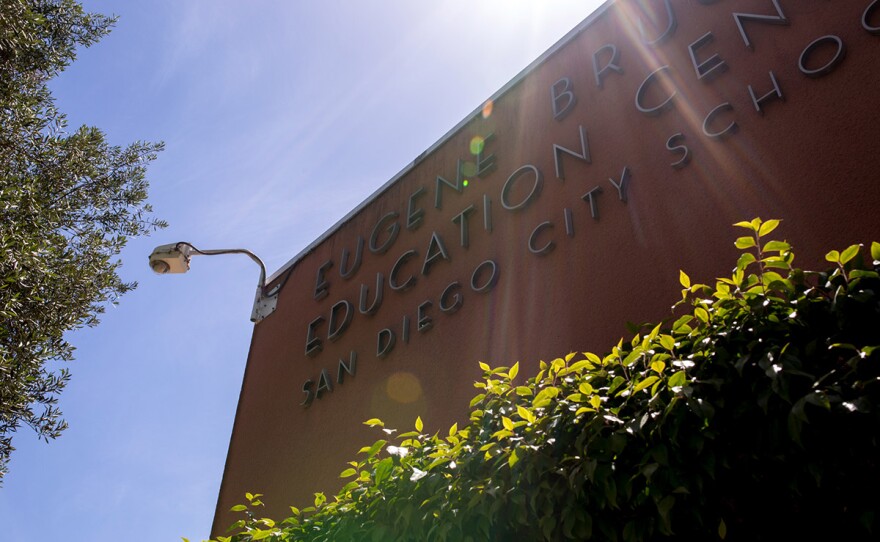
(175, 257)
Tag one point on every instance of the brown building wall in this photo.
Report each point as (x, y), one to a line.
(811, 159)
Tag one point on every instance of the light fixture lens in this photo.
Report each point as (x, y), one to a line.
(160, 266)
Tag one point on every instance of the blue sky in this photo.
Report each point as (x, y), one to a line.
(279, 117)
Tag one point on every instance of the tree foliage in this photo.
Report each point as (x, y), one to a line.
(68, 203)
(755, 415)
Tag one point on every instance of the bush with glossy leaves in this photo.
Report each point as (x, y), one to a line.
(753, 416)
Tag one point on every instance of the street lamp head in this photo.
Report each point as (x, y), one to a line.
(173, 258)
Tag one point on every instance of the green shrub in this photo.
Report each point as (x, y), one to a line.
(754, 416)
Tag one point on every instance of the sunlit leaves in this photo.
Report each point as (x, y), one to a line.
(744, 242)
(762, 394)
(647, 382)
(545, 396)
(69, 202)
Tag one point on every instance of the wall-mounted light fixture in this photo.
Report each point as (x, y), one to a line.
(174, 258)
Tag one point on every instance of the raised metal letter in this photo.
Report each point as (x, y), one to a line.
(867, 15)
(310, 396)
(670, 27)
(322, 287)
(392, 233)
(830, 65)
(414, 215)
(337, 327)
(324, 383)
(624, 184)
(776, 93)
(640, 95)
(392, 277)
(780, 19)
(487, 213)
(462, 220)
(685, 152)
(458, 186)
(384, 342)
(456, 304)
(584, 154)
(343, 368)
(313, 343)
(559, 112)
(730, 128)
(377, 301)
(591, 198)
(358, 256)
(536, 188)
(493, 277)
(546, 248)
(423, 321)
(436, 250)
(612, 65)
(710, 67)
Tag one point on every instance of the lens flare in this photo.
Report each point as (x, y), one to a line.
(487, 108)
(403, 387)
(468, 169)
(477, 144)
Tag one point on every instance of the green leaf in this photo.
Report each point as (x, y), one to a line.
(545, 396)
(645, 383)
(615, 383)
(722, 530)
(238, 508)
(513, 458)
(633, 356)
(747, 225)
(419, 425)
(594, 359)
(768, 227)
(664, 507)
(525, 414)
(667, 342)
(658, 366)
(701, 313)
(875, 251)
(744, 242)
(579, 366)
(514, 371)
(374, 449)
(684, 279)
(348, 472)
(745, 259)
(849, 253)
(861, 273)
(453, 430)
(833, 256)
(524, 391)
(677, 380)
(777, 246)
(373, 422)
(383, 470)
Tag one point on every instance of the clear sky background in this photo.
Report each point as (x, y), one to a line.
(279, 117)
